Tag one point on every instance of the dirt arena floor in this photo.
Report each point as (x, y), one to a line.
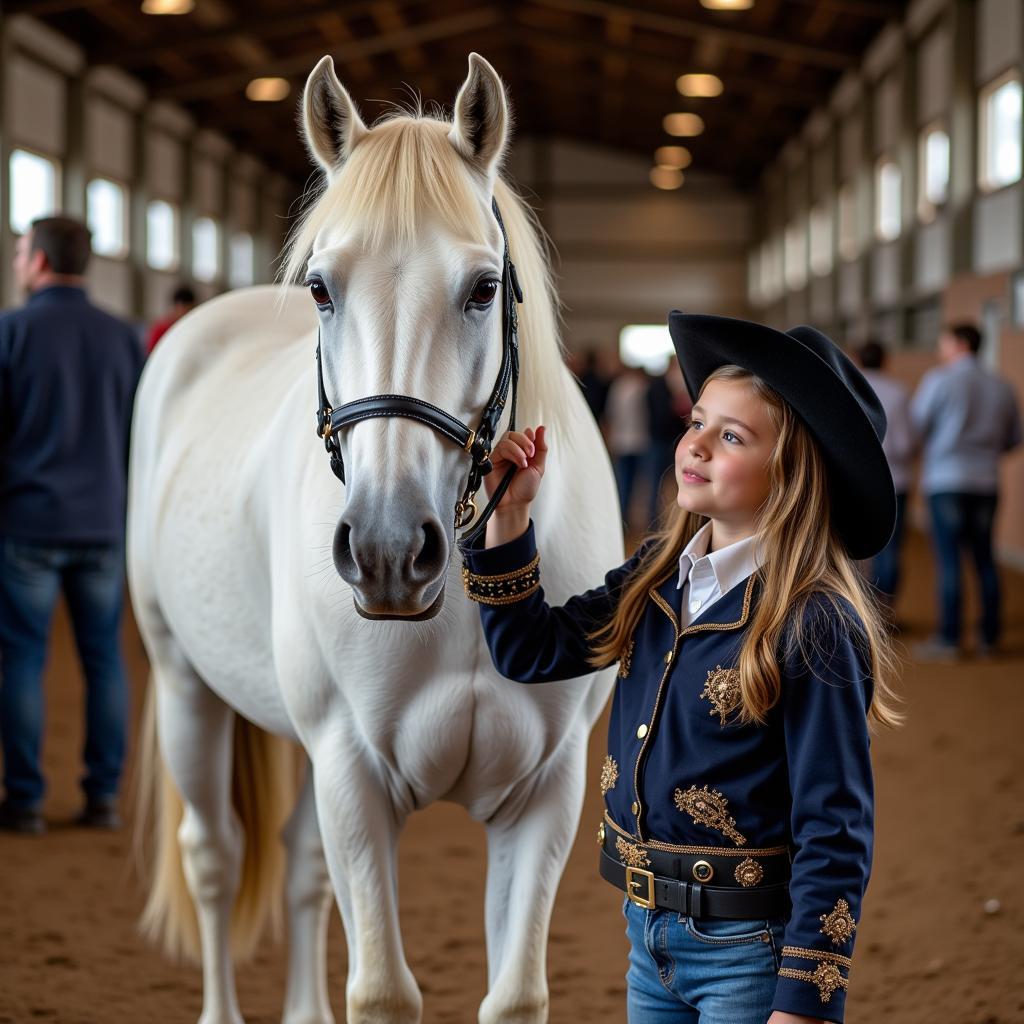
(942, 936)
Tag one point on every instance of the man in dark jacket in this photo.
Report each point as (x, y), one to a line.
(68, 373)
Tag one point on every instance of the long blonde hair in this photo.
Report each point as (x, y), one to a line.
(802, 558)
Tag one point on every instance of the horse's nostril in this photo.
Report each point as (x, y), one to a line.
(344, 560)
(431, 552)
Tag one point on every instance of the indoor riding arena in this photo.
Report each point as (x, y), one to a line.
(277, 278)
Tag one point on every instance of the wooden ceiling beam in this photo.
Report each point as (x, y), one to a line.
(658, 71)
(258, 25)
(301, 63)
(688, 28)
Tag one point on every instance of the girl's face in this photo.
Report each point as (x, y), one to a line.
(722, 459)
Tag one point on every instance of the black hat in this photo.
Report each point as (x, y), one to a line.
(827, 392)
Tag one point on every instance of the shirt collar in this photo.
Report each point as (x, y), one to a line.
(731, 565)
(57, 291)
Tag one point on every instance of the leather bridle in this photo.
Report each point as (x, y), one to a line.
(476, 443)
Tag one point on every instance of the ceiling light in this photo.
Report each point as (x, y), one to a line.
(699, 85)
(267, 90)
(682, 125)
(673, 156)
(168, 6)
(727, 5)
(666, 178)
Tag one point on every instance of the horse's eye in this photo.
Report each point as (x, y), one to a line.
(321, 296)
(484, 292)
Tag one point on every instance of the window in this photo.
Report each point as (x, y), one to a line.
(205, 245)
(888, 188)
(1000, 119)
(933, 162)
(106, 206)
(848, 247)
(162, 236)
(821, 238)
(33, 184)
(795, 255)
(241, 269)
(646, 345)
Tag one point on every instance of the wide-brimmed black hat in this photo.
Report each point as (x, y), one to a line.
(827, 392)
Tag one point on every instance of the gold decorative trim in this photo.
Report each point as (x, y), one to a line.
(722, 689)
(626, 659)
(502, 588)
(708, 807)
(827, 977)
(717, 851)
(600, 834)
(838, 924)
(609, 774)
(817, 954)
(748, 872)
(631, 854)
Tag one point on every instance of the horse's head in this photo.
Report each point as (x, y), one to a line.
(404, 269)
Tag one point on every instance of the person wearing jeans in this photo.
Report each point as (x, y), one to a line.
(92, 579)
(68, 373)
(966, 418)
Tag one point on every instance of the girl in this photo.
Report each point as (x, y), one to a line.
(737, 785)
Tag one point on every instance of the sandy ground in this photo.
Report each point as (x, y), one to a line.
(950, 838)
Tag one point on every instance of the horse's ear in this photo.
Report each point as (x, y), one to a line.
(330, 121)
(480, 126)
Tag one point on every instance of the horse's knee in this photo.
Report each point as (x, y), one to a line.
(307, 882)
(212, 862)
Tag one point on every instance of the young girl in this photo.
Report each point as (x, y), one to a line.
(737, 785)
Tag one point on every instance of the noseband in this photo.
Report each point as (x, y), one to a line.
(476, 443)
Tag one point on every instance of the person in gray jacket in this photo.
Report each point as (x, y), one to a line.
(966, 418)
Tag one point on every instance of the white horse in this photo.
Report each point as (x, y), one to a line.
(236, 528)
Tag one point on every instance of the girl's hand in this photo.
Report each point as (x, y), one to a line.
(527, 452)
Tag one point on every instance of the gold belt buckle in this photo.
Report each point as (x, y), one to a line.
(632, 883)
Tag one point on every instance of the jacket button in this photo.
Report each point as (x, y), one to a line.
(642, 731)
(634, 807)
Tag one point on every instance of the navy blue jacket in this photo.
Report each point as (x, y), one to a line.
(68, 373)
(800, 783)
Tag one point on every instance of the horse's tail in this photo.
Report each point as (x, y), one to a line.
(262, 792)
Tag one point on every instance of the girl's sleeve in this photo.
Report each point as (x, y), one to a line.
(530, 641)
(826, 693)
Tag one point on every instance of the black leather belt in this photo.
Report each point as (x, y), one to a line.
(695, 899)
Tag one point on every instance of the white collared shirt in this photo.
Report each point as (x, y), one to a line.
(704, 578)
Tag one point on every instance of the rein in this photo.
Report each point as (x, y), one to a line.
(476, 443)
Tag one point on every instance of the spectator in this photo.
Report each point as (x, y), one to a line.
(594, 382)
(627, 429)
(966, 418)
(183, 300)
(899, 451)
(665, 428)
(68, 373)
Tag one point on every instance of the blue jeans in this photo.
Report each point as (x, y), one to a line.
(31, 578)
(959, 522)
(885, 566)
(708, 971)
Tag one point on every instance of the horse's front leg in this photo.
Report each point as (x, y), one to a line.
(360, 826)
(528, 843)
(309, 899)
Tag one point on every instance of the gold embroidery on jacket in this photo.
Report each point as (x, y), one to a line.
(748, 872)
(626, 660)
(839, 924)
(722, 688)
(600, 834)
(827, 977)
(632, 855)
(609, 774)
(709, 807)
(817, 954)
